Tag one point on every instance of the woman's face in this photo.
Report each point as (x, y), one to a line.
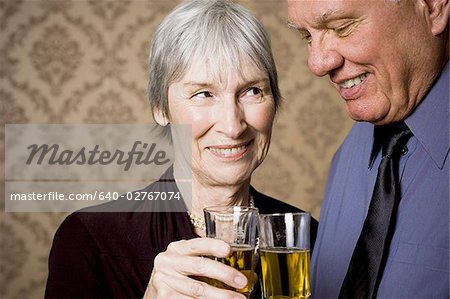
(231, 118)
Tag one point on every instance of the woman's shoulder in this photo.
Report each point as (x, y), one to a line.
(104, 229)
(117, 233)
(268, 205)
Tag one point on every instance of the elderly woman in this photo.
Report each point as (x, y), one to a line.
(211, 67)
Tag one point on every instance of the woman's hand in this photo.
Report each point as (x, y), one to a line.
(172, 270)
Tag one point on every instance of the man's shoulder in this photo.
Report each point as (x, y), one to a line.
(358, 142)
(359, 131)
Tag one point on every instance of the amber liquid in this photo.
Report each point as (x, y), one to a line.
(242, 258)
(285, 273)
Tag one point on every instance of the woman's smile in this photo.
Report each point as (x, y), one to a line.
(230, 152)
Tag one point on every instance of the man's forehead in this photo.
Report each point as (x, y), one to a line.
(318, 12)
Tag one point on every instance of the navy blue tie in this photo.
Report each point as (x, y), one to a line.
(369, 257)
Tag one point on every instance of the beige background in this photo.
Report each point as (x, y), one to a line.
(85, 62)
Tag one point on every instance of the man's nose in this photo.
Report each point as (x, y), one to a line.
(323, 57)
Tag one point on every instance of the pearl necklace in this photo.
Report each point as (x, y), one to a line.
(199, 223)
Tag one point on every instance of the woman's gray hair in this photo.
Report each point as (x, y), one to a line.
(219, 32)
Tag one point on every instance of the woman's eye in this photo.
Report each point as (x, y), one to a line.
(253, 91)
(203, 94)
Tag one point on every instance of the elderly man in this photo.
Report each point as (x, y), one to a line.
(384, 226)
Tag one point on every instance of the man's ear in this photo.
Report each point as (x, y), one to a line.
(160, 117)
(438, 13)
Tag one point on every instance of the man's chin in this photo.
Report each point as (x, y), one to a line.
(365, 116)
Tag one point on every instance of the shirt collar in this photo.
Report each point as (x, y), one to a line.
(429, 122)
(380, 134)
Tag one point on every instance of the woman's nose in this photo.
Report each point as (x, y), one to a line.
(231, 118)
(323, 58)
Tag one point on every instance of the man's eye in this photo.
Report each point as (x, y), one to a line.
(203, 94)
(306, 36)
(344, 30)
(253, 91)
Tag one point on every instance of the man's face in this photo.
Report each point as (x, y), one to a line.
(374, 51)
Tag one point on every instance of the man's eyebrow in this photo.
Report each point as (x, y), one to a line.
(291, 25)
(327, 16)
(297, 28)
(320, 20)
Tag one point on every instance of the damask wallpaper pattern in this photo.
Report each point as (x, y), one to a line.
(84, 61)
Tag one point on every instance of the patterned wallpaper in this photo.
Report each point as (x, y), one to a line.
(84, 61)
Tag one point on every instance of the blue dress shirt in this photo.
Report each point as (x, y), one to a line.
(418, 259)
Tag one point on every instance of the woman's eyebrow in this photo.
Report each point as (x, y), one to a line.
(256, 81)
(243, 83)
(248, 83)
(197, 84)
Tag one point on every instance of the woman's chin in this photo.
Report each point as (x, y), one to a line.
(228, 177)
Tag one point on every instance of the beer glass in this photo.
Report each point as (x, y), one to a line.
(285, 256)
(236, 226)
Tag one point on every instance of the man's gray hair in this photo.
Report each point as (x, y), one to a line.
(222, 33)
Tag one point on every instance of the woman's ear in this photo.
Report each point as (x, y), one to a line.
(439, 13)
(160, 117)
